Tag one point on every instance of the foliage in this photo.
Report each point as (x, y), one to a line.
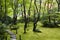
(2, 31)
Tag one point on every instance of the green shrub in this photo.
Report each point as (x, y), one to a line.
(2, 31)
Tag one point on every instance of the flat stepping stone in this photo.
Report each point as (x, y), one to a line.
(12, 35)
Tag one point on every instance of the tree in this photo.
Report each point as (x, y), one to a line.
(5, 14)
(25, 18)
(49, 8)
(58, 2)
(40, 1)
(36, 17)
(0, 8)
(22, 10)
(29, 10)
(15, 10)
(48, 11)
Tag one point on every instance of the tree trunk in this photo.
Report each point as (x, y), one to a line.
(29, 11)
(39, 10)
(58, 2)
(35, 23)
(36, 19)
(49, 19)
(29, 8)
(58, 7)
(5, 14)
(22, 10)
(15, 12)
(0, 9)
(25, 19)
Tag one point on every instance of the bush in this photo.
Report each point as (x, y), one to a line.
(47, 24)
(2, 31)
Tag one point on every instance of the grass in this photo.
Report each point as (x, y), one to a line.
(47, 33)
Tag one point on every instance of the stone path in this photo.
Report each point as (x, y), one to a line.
(12, 35)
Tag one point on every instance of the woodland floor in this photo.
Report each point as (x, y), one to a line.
(47, 33)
